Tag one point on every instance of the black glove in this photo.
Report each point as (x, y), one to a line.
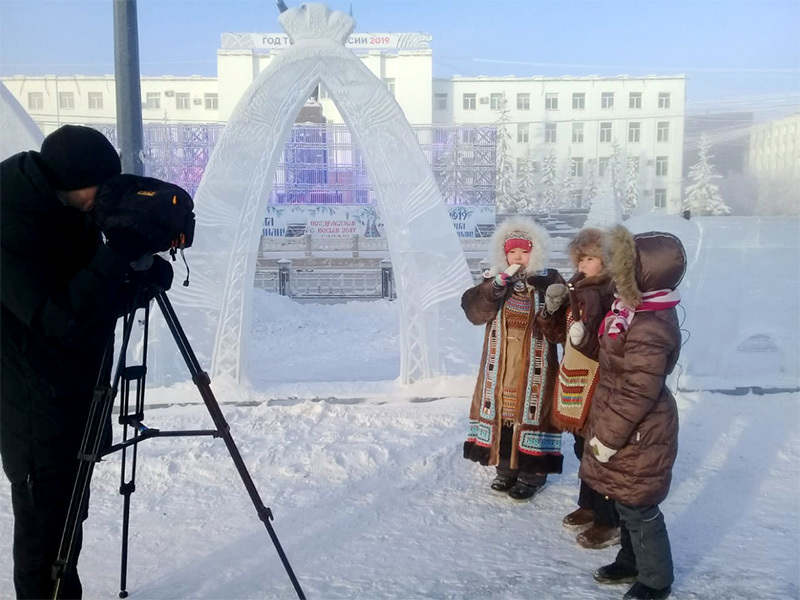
(128, 244)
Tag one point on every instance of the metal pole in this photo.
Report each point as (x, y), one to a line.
(129, 93)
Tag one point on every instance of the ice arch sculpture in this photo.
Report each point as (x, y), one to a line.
(429, 265)
(19, 132)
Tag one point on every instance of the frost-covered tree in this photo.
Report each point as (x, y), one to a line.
(505, 188)
(630, 200)
(526, 184)
(614, 165)
(549, 183)
(606, 209)
(590, 191)
(567, 184)
(702, 195)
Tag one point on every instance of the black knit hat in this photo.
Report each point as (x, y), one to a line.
(76, 157)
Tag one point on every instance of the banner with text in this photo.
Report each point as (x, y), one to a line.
(350, 220)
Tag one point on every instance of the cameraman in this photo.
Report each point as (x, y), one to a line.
(60, 286)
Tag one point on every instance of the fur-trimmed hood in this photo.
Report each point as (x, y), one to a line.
(644, 262)
(540, 252)
(588, 242)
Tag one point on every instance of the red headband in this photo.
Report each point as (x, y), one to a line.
(517, 243)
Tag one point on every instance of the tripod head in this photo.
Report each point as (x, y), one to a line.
(150, 275)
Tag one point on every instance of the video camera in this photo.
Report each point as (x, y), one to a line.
(157, 213)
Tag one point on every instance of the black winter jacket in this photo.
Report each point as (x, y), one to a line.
(59, 285)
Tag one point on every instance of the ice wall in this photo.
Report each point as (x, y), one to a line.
(741, 298)
(18, 132)
(430, 269)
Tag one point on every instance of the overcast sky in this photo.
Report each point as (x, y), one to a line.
(738, 52)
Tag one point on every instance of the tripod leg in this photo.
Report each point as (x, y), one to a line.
(99, 415)
(135, 375)
(203, 381)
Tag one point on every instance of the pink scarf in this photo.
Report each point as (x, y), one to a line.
(621, 314)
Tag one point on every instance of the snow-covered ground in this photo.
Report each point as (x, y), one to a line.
(372, 498)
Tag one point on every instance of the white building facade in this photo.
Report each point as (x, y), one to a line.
(577, 118)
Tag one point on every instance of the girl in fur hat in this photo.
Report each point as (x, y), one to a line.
(510, 424)
(591, 293)
(633, 422)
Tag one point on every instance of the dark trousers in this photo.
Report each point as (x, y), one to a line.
(40, 504)
(504, 466)
(645, 544)
(603, 507)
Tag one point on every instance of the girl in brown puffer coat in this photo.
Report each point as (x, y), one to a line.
(633, 421)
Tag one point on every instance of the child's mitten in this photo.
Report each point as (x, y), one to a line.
(576, 333)
(601, 452)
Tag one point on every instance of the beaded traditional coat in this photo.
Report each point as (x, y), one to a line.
(519, 367)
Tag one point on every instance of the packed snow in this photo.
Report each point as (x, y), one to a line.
(372, 498)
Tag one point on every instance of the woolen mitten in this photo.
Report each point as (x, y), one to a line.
(577, 332)
(501, 280)
(555, 296)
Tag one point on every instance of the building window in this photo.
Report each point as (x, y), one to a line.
(577, 133)
(468, 136)
(602, 165)
(664, 100)
(211, 101)
(550, 133)
(634, 132)
(635, 164)
(523, 132)
(389, 85)
(182, 101)
(66, 100)
(663, 131)
(661, 198)
(607, 100)
(551, 101)
(152, 100)
(469, 101)
(440, 101)
(520, 165)
(605, 132)
(577, 198)
(523, 101)
(635, 100)
(579, 101)
(662, 168)
(35, 101)
(495, 101)
(577, 167)
(95, 100)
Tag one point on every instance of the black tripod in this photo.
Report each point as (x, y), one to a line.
(92, 446)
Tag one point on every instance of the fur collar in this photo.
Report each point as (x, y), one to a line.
(540, 251)
(622, 264)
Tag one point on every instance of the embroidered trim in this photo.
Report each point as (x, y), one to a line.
(480, 433)
(534, 387)
(488, 410)
(536, 442)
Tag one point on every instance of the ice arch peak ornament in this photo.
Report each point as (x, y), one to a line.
(316, 22)
(430, 269)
